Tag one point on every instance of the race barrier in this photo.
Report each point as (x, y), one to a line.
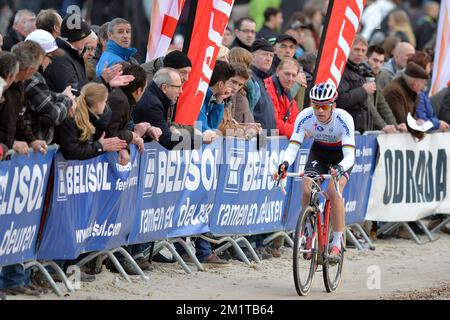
(223, 189)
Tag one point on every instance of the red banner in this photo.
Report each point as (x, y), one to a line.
(211, 20)
(339, 31)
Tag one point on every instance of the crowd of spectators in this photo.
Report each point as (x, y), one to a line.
(85, 89)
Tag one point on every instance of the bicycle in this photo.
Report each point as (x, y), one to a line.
(312, 239)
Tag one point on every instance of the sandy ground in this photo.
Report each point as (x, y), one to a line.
(397, 269)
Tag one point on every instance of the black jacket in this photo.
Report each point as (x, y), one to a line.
(11, 38)
(12, 110)
(71, 147)
(444, 112)
(66, 70)
(264, 112)
(240, 44)
(154, 108)
(353, 98)
(121, 105)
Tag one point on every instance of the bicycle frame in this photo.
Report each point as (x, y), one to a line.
(323, 227)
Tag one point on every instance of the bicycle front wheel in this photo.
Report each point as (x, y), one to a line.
(332, 272)
(305, 251)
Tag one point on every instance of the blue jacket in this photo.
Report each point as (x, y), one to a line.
(425, 110)
(112, 55)
(211, 113)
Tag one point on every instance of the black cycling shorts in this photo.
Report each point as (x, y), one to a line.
(320, 159)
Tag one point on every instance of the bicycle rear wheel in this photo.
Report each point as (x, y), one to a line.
(332, 273)
(305, 251)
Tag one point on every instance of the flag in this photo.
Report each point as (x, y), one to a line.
(211, 19)
(340, 27)
(164, 20)
(441, 70)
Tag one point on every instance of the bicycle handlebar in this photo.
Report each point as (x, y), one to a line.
(313, 178)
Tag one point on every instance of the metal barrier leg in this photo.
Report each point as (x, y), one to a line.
(427, 232)
(46, 275)
(288, 239)
(411, 232)
(189, 253)
(249, 248)
(233, 243)
(130, 259)
(60, 274)
(89, 258)
(364, 235)
(442, 224)
(175, 255)
(118, 266)
(273, 236)
(353, 239)
(388, 227)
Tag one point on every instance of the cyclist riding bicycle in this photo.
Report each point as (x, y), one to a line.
(333, 131)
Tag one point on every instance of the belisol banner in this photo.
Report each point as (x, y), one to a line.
(411, 180)
(339, 31)
(93, 206)
(164, 20)
(211, 20)
(176, 192)
(23, 183)
(441, 71)
(248, 201)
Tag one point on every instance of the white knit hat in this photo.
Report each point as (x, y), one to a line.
(44, 39)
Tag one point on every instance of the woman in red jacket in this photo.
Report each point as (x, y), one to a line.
(278, 86)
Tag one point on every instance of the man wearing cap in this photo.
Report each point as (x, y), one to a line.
(263, 54)
(69, 69)
(285, 47)
(45, 109)
(402, 93)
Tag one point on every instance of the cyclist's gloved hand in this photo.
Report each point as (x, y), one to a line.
(282, 169)
(339, 170)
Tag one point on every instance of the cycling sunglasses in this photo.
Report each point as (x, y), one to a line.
(324, 107)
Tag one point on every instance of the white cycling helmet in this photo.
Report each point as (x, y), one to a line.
(323, 93)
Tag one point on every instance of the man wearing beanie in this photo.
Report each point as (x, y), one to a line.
(263, 54)
(176, 59)
(69, 69)
(402, 93)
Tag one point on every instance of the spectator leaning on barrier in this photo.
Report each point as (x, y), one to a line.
(402, 93)
(158, 103)
(76, 135)
(118, 46)
(353, 90)
(30, 56)
(24, 24)
(45, 109)
(383, 118)
(278, 87)
(402, 52)
(240, 108)
(211, 113)
(263, 113)
(122, 102)
(245, 33)
(425, 110)
(242, 56)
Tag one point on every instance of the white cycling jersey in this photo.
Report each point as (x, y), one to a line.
(337, 134)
